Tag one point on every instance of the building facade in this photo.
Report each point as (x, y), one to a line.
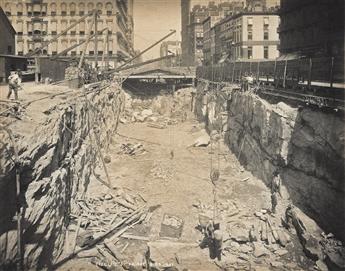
(38, 21)
(171, 48)
(312, 27)
(193, 13)
(7, 41)
(245, 36)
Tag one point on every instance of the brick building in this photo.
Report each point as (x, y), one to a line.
(312, 27)
(7, 41)
(37, 21)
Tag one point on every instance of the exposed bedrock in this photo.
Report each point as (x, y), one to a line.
(305, 145)
(56, 163)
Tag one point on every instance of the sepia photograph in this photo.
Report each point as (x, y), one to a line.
(172, 135)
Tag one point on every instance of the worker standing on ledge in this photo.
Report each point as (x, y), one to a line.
(14, 83)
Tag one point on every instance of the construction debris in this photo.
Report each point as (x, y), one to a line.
(171, 227)
(132, 149)
(161, 170)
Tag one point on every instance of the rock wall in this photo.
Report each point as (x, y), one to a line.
(305, 145)
(56, 164)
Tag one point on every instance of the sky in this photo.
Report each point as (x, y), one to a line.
(153, 19)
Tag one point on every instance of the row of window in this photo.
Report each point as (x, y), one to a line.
(54, 33)
(250, 52)
(72, 53)
(54, 13)
(250, 35)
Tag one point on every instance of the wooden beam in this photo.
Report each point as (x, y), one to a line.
(147, 49)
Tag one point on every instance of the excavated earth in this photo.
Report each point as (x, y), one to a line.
(165, 168)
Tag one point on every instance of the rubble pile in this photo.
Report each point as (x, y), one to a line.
(72, 73)
(162, 171)
(101, 224)
(160, 111)
(97, 214)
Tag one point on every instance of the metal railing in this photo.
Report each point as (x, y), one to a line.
(322, 71)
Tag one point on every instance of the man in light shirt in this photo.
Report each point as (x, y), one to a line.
(14, 83)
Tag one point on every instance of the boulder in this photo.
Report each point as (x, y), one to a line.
(260, 250)
(147, 113)
(202, 141)
(239, 234)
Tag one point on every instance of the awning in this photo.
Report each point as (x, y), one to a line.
(224, 57)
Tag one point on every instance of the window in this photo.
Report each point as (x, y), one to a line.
(73, 33)
(250, 52)
(266, 35)
(53, 26)
(250, 21)
(91, 53)
(81, 8)
(82, 33)
(20, 9)
(73, 8)
(20, 28)
(54, 53)
(109, 8)
(266, 52)
(100, 53)
(266, 21)
(250, 35)
(99, 8)
(53, 9)
(73, 53)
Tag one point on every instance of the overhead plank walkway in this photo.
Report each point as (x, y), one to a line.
(160, 73)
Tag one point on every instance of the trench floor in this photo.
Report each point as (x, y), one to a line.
(187, 185)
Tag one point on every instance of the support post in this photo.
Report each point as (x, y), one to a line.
(310, 72)
(240, 77)
(332, 71)
(37, 69)
(104, 49)
(275, 72)
(284, 78)
(233, 73)
(96, 38)
(258, 72)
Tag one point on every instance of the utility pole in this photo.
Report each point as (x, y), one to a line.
(96, 39)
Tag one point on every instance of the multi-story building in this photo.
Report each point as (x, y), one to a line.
(246, 35)
(312, 27)
(193, 14)
(7, 41)
(171, 48)
(38, 21)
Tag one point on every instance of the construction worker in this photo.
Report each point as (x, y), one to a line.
(276, 183)
(14, 83)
